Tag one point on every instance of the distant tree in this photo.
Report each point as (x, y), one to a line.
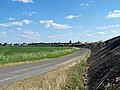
(5, 44)
(17, 44)
(70, 42)
(86, 42)
(24, 44)
(78, 42)
(100, 41)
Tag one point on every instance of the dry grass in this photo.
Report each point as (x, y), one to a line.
(55, 80)
(51, 81)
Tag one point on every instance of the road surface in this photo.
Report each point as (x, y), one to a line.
(21, 72)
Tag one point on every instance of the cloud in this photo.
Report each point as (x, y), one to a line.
(64, 37)
(113, 14)
(115, 31)
(84, 4)
(51, 24)
(100, 33)
(109, 26)
(24, 1)
(21, 23)
(18, 28)
(87, 4)
(95, 34)
(30, 35)
(27, 21)
(12, 18)
(72, 16)
(31, 13)
(3, 34)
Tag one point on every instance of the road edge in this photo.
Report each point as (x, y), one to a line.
(56, 79)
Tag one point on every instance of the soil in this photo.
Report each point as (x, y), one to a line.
(104, 65)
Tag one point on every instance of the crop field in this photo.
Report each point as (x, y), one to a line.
(13, 54)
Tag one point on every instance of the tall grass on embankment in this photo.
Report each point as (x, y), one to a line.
(77, 75)
(70, 77)
(18, 54)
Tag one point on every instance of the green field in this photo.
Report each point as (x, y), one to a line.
(13, 54)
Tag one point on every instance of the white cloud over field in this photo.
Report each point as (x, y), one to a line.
(24, 1)
(52, 24)
(20, 23)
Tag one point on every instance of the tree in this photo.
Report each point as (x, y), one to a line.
(5, 44)
(70, 42)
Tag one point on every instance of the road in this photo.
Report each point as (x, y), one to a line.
(21, 72)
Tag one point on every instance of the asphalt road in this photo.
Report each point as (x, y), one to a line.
(21, 72)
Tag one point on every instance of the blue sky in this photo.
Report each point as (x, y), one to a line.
(58, 20)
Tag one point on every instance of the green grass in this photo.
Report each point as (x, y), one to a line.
(13, 54)
(76, 77)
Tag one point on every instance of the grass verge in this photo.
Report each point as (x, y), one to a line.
(70, 77)
(77, 75)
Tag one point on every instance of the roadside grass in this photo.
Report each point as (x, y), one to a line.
(77, 75)
(53, 80)
(76, 78)
(16, 54)
(110, 87)
(69, 77)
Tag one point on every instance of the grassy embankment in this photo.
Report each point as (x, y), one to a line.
(13, 55)
(71, 77)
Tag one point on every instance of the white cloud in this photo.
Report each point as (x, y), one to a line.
(5, 25)
(51, 24)
(87, 4)
(18, 28)
(115, 31)
(15, 24)
(100, 33)
(82, 37)
(3, 34)
(64, 37)
(30, 35)
(95, 34)
(31, 13)
(72, 16)
(82, 4)
(24, 1)
(21, 23)
(113, 14)
(88, 35)
(12, 18)
(109, 26)
(27, 21)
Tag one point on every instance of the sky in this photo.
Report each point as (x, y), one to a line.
(58, 20)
